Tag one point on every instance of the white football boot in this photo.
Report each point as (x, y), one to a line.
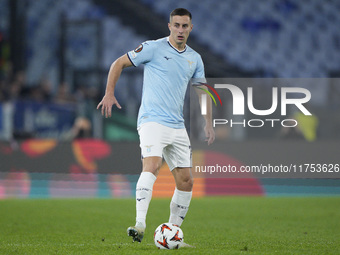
(137, 233)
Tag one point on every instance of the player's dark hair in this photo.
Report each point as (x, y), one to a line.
(180, 12)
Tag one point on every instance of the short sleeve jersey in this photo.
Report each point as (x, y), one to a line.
(167, 73)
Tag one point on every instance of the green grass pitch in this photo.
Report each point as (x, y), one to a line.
(215, 225)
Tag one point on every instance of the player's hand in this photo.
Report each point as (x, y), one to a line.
(209, 134)
(106, 104)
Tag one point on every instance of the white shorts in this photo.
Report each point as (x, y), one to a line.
(173, 144)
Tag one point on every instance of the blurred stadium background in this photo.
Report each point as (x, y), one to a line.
(54, 59)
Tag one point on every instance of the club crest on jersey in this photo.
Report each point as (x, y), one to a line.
(190, 62)
(139, 48)
(148, 148)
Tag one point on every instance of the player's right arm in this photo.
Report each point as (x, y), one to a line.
(109, 98)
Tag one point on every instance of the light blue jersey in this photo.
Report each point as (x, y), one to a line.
(167, 73)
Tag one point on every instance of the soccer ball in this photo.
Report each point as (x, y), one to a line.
(168, 236)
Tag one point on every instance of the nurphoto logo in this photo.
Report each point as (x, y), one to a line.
(239, 99)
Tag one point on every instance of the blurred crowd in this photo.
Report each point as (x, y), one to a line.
(14, 87)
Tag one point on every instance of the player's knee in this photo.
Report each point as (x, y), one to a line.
(187, 183)
(152, 167)
(191, 183)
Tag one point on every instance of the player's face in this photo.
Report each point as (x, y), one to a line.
(180, 28)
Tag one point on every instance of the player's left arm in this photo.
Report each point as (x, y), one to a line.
(208, 129)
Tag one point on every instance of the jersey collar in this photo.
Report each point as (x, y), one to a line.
(175, 47)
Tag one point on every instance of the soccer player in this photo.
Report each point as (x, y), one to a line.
(169, 64)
